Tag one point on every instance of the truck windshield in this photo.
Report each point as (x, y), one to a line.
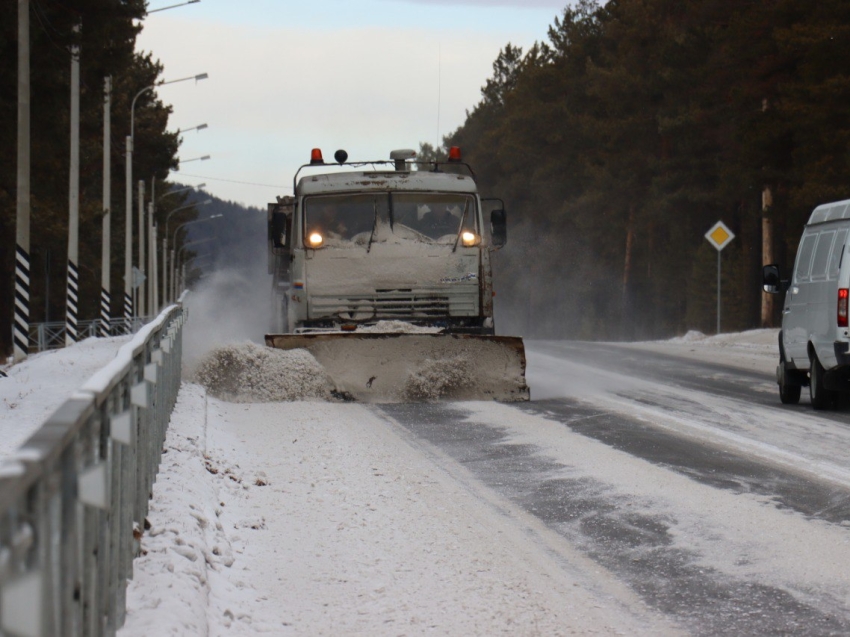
(349, 220)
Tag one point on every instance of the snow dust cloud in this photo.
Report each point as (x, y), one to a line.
(227, 307)
(229, 314)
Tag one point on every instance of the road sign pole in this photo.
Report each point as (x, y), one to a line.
(719, 236)
(718, 291)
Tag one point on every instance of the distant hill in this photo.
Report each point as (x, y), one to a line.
(240, 234)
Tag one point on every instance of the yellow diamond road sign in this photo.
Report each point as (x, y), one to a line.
(719, 236)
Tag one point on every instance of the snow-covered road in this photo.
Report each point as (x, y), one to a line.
(637, 494)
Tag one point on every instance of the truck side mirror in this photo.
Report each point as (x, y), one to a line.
(280, 229)
(772, 281)
(498, 228)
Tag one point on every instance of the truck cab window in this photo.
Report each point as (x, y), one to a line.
(437, 217)
(344, 220)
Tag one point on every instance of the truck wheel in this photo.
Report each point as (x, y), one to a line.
(789, 393)
(821, 398)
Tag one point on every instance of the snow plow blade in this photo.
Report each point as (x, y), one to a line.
(404, 367)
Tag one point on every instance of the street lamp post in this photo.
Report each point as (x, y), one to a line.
(182, 267)
(165, 238)
(199, 127)
(128, 247)
(21, 315)
(188, 223)
(106, 247)
(184, 161)
(164, 273)
(181, 226)
(182, 4)
(174, 192)
(72, 287)
(140, 291)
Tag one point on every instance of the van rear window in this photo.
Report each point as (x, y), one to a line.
(804, 257)
(822, 255)
(837, 251)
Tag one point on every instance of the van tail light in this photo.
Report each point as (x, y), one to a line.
(843, 293)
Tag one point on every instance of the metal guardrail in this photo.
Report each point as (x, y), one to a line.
(74, 497)
(51, 335)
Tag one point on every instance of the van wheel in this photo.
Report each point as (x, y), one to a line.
(821, 398)
(789, 393)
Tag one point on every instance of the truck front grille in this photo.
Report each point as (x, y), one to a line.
(396, 304)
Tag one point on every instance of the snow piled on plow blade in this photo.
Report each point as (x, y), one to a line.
(250, 373)
(404, 367)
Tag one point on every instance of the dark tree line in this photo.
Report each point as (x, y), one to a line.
(620, 140)
(107, 48)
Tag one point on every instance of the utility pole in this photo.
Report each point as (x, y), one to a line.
(154, 269)
(72, 288)
(106, 248)
(128, 236)
(767, 300)
(20, 331)
(152, 250)
(140, 291)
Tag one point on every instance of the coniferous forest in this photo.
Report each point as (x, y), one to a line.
(106, 38)
(621, 139)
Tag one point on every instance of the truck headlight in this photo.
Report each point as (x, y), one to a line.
(469, 239)
(315, 240)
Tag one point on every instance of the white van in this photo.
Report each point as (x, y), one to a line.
(814, 343)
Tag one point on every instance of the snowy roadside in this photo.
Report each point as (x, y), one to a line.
(33, 389)
(321, 519)
(754, 350)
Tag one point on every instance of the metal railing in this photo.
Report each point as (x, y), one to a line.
(74, 497)
(51, 335)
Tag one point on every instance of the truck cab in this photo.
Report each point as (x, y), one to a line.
(406, 242)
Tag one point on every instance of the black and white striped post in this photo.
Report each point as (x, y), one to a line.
(72, 295)
(20, 326)
(105, 252)
(72, 334)
(20, 330)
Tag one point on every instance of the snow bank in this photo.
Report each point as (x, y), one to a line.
(185, 543)
(33, 389)
(250, 373)
(755, 350)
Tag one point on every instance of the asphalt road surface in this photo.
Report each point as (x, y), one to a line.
(720, 508)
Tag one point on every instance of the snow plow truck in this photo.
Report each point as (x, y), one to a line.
(381, 270)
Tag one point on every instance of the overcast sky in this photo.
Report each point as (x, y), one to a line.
(287, 76)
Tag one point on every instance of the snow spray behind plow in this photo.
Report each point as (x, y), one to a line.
(398, 367)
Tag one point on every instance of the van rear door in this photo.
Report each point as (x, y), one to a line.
(822, 298)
